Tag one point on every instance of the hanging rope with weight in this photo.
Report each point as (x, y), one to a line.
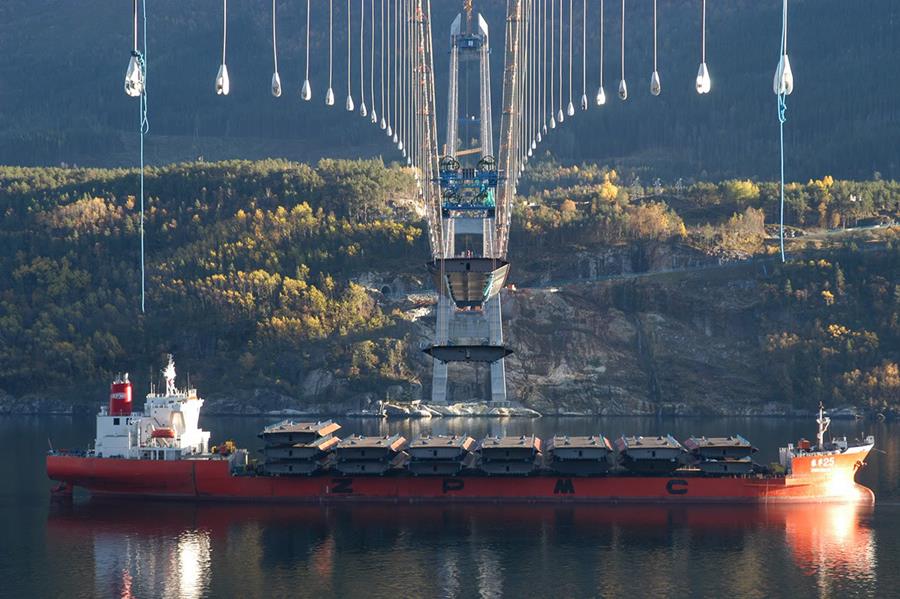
(552, 62)
(387, 109)
(783, 85)
(329, 94)
(374, 116)
(363, 111)
(560, 116)
(136, 87)
(306, 90)
(223, 85)
(276, 78)
(348, 105)
(655, 86)
(704, 83)
(601, 93)
(584, 98)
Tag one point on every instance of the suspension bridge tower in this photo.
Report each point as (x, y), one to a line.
(468, 270)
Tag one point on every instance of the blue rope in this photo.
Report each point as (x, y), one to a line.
(782, 117)
(144, 126)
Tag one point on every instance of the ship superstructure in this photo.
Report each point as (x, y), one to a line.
(167, 428)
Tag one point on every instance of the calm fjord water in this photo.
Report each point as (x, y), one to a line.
(95, 548)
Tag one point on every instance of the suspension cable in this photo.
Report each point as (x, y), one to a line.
(703, 32)
(329, 95)
(623, 88)
(601, 93)
(274, 40)
(306, 91)
(349, 104)
(703, 83)
(398, 37)
(783, 88)
(224, 28)
(570, 110)
(374, 116)
(654, 36)
(534, 130)
(655, 87)
(544, 66)
(584, 100)
(559, 115)
(552, 62)
(401, 63)
(136, 85)
(388, 106)
(362, 67)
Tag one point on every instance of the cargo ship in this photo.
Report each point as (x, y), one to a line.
(161, 452)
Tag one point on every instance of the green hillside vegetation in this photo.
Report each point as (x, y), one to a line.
(251, 269)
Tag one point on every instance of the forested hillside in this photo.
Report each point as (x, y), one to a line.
(61, 98)
(308, 281)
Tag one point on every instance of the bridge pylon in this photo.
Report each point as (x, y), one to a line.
(468, 270)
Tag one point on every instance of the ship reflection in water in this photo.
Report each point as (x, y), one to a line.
(185, 550)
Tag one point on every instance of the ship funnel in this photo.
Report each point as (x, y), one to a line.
(120, 397)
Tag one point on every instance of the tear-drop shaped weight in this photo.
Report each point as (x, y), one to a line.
(552, 122)
(560, 117)
(363, 111)
(570, 109)
(540, 138)
(784, 77)
(655, 87)
(704, 83)
(623, 90)
(601, 96)
(134, 78)
(276, 84)
(383, 123)
(329, 97)
(389, 131)
(223, 85)
(349, 104)
(584, 102)
(306, 90)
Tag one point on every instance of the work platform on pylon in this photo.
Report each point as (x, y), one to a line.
(469, 273)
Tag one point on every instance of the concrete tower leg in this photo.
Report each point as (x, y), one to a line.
(439, 373)
(498, 368)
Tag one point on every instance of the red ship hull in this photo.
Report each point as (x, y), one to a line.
(813, 481)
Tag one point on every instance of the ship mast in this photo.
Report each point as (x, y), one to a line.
(823, 422)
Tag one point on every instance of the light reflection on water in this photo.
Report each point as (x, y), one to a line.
(148, 549)
(193, 550)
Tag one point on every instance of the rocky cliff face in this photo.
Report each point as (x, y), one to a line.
(676, 343)
(638, 329)
(684, 342)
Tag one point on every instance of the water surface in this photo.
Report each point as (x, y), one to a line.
(90, 548)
